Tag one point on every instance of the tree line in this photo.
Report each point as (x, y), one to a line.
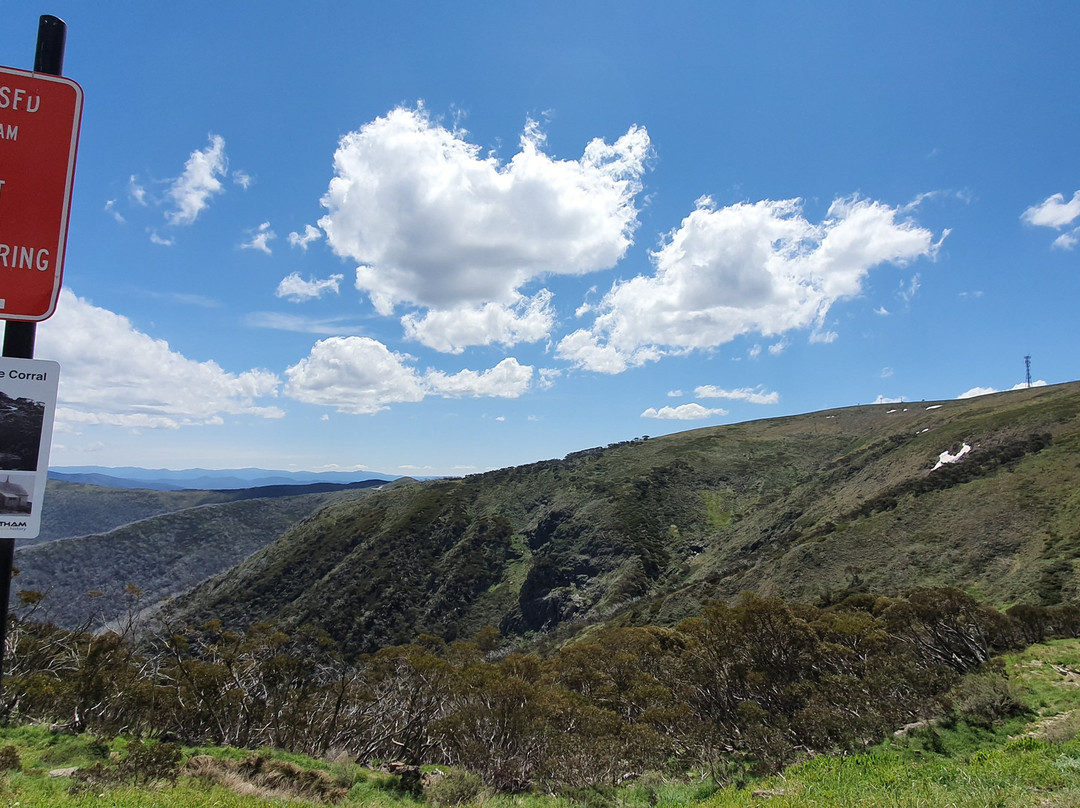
(749, 686)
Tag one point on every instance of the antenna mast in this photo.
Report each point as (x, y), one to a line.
(1027, 366)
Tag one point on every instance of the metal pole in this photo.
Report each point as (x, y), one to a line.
(19, 336)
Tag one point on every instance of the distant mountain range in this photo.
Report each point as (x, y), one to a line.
(204, 479)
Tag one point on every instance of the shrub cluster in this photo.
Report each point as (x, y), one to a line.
(743, 687)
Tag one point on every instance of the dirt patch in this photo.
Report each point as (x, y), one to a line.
(263, 777)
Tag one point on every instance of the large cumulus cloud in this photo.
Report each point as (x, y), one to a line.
(436, 225)
(753, 267)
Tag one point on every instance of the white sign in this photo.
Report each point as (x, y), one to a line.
(27, 407)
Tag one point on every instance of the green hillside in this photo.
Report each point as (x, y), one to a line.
(809, 508)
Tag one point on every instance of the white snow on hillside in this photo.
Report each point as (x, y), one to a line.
(948, 457)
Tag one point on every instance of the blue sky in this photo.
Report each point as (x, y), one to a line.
(438, 238)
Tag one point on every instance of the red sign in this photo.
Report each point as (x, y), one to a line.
(39, 135)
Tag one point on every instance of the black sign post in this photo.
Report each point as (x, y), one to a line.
(19, 336)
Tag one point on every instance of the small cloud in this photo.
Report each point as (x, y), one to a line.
(778, 348)
(301, 325)
(501, 418)
(1066, 241)
(881, 310)
(674, 393)
(548, 377)
(156, 239)
(824, 337)
(110, 208)
(260, 237)
(908, 290)
(754, 352)
(756, 395)
(325, 417)
(136, 191)
(191, 191)
(302, 241)
(886, 373)
(965, 295)
(888, 400)
(684, 412)
(985, 391)
(1022, 385)
(243, 179)
(1053, 211)
(295, 288)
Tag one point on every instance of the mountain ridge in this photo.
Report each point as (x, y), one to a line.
(205, 479)
(805, 507)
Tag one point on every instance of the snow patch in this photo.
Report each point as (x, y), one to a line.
(935, 406)
(948, 457)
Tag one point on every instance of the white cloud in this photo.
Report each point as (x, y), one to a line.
(303, 325)
(295, 288)
(760, 267)
(110, 208)
(910, 289)
(755, 351)
(886, 373)
(675, 393)
(778, 348)
(191, 191)
(755, 395)
(823, 337)
(260, 238)
(435, 224)
(684, 412)
(1054, 211)
(508, 379)
(116, 375)
(453, 330)
(243, 179)
(302, 241)
(548, 377)
(888, 400)
(977, 391)
(1066, 241)
(162, 240)
(985, 391)
(356, 375)
(136, 190)
(361, 376)
(881, 311)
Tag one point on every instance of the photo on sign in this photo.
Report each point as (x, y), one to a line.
(21, 421)
(15, 493)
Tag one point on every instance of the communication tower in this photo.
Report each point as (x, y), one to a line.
(1027, 367)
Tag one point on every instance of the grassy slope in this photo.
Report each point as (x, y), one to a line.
(803, 507)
